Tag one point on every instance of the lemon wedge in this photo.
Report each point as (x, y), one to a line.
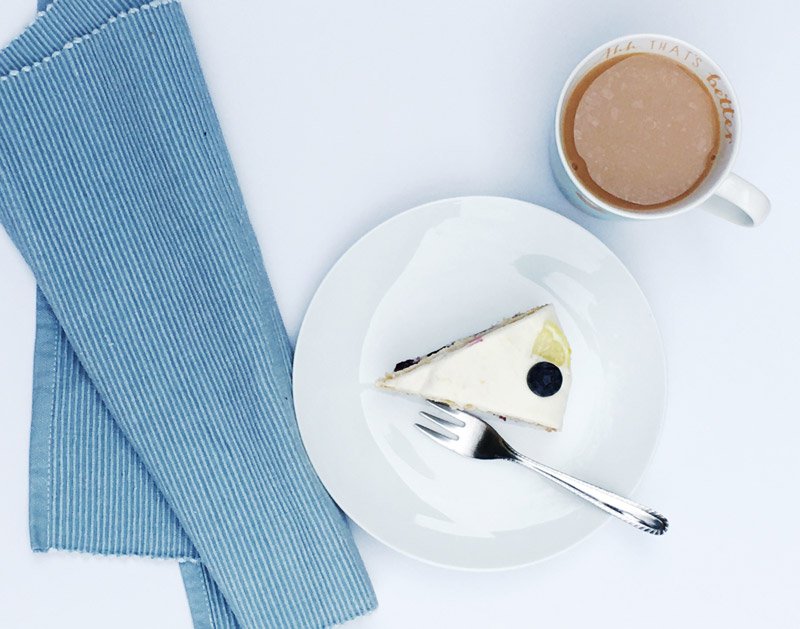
(552, 345)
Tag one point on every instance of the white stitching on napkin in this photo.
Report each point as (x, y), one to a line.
(56, 356)
(208, 601)
(79, 40)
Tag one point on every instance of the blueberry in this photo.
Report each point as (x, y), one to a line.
(545, 379)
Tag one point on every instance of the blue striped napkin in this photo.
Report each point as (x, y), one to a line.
(163, 422)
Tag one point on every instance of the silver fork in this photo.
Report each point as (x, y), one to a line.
(469, 436)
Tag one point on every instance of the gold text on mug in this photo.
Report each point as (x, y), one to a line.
(725, 103)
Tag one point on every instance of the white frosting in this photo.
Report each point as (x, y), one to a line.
(489, 374)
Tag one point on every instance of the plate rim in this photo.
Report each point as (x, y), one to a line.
(560, 217)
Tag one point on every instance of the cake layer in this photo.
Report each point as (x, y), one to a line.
(518, 369)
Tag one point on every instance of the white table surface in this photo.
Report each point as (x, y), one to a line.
(341, 114)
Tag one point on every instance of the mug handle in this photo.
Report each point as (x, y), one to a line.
(739, 202)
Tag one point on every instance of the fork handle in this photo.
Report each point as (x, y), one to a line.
(626, 510)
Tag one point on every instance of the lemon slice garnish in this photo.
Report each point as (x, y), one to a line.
(552, 345)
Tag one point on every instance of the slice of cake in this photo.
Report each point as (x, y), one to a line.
(517, 369)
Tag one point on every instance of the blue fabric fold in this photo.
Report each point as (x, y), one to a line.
(163, 424)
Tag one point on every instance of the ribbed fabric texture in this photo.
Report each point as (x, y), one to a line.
(90, 491)
(208, 606)
(163, 421)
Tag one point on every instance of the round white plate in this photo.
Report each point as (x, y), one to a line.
(431, 275)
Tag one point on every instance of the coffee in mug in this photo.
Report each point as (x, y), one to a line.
(640, 131)
(647, 127)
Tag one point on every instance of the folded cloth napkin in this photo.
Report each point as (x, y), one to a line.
(163, 422)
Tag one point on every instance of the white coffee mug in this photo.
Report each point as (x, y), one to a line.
(721, 192)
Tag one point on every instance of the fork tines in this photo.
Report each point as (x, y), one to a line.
(461, 417)
(446, 426)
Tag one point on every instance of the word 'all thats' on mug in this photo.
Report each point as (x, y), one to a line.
(648, 126)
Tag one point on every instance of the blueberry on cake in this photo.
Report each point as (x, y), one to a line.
(518, 369)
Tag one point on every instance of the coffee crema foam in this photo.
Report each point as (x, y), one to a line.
(641, 131)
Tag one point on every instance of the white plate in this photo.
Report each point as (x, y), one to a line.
(437, 273)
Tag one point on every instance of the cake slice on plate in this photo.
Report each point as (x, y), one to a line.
(518, 369)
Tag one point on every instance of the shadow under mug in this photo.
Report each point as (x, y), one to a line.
(721, 192)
